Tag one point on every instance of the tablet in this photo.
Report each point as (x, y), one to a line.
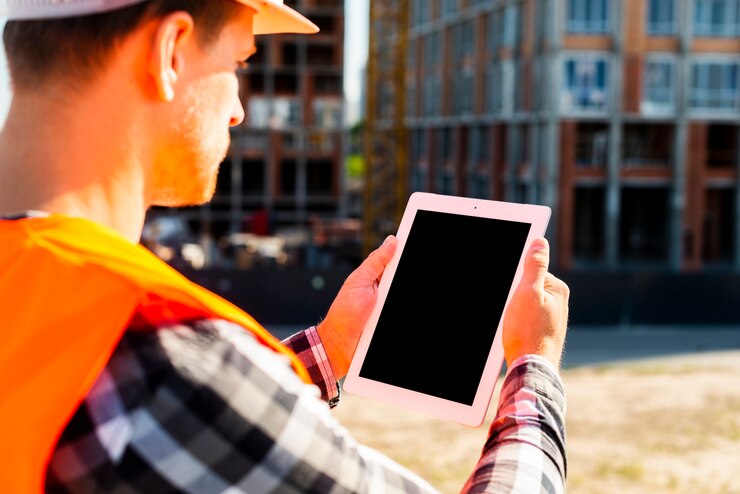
(433, 341)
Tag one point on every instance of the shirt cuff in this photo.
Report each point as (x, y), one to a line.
(533, 358)
(309, 349)
(537, 373)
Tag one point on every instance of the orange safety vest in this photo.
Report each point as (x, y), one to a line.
(68, 289)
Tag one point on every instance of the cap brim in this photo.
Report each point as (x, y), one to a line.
(275, 18)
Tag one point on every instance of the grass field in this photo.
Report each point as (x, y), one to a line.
(657, 426)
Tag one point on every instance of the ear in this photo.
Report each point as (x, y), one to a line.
(168, 56)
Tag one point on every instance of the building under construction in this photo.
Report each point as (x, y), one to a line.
(623, 116)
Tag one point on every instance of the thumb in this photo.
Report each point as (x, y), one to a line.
(376, 262)
(536, 262)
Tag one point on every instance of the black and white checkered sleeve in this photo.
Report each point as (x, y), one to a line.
(525, 451)
(208, 409)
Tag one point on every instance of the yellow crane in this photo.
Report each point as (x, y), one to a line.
(385, 138)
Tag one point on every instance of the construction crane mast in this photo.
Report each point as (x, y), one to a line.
(385, 139)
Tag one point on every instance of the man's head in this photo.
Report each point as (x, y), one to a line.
(169, 68)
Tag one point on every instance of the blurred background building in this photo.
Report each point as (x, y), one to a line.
(623, 116)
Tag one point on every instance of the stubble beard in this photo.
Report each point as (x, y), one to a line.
(190, 173)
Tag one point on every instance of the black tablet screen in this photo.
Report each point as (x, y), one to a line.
(440, 317)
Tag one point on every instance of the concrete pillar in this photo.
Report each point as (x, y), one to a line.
(613, 185)
(678, 193)
(614, 159)
(678, 196)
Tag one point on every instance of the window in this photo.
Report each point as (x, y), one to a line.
(718, 242)
(327, 113)
(288, 171)
(717, 18)
(588, 16)
(541, 24)
(285, 83)
(479, 145)
(659, 86)
(462, 96)
(449, 7)
(585, 83)
(464, 39)
(253, 177)
(432, 97)
(492, 32)
(290, 141)
(510, 28)
(446, 182)
(503, 27)
(289, 55)
(259, 112)
(647, 145)
(327, 84)
(420, 12)
(276, 113)
(320, 141)
(322, 55)
(661, 17)
(418, 145)
(418, 178)
(433, 49)
(285, 113)
(723, 148)
(447, 144)
(643, 229)
(592, 145)
(714, 85)
(588, 224)
(319, 177)
(480, 185)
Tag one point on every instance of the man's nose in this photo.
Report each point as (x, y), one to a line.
(237, 115)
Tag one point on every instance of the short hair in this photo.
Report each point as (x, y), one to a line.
(78, 47)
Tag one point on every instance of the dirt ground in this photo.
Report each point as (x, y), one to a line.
(661, 425)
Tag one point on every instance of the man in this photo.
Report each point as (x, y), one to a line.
(119, 375)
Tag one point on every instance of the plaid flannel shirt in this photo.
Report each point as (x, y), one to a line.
(203, 408)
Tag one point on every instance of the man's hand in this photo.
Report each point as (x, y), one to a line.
(340, 330)
(536, 319)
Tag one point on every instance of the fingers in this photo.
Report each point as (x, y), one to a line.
(536, 262)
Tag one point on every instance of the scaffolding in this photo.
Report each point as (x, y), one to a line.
(385, 136)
